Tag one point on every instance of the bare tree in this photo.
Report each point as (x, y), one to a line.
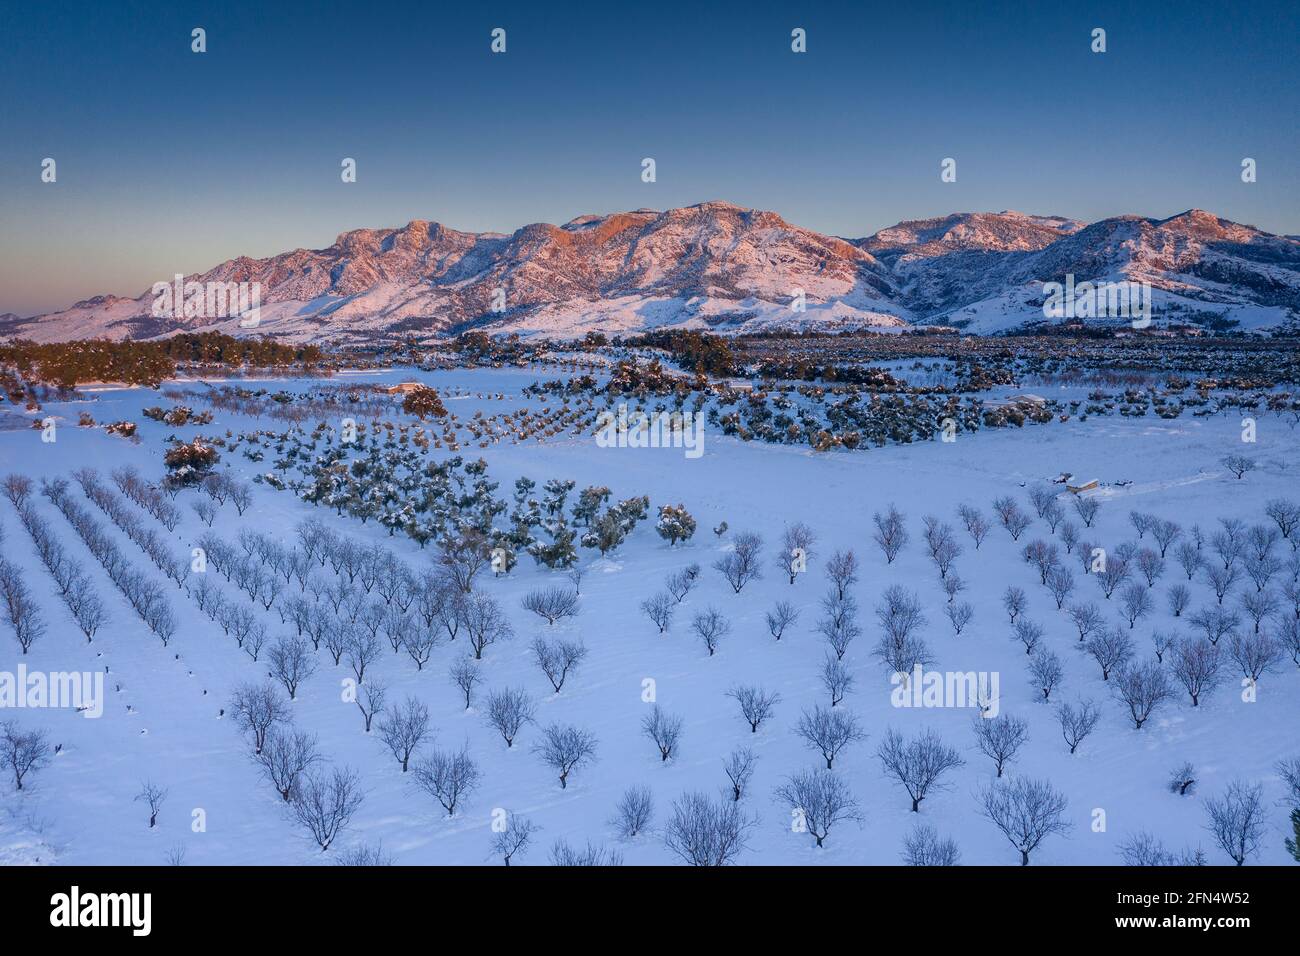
(575, 575)
(1043, 556)
(1045, 671)
(976, 524)
(1113, 573)
(404, 729)
(1288, 635)
(22, 751)
(420, 641)
(797, 542)
(899, 613)
(1182, 779)
(839, 624)
(711, 627)
(461, 558)
(257, 708)
(448, 777)
(1239, 465)
(842, 569)
(291, 663)
(552, 604)
(485, 623)
(241, 496)
(924, 847)
(508, 710)
(818, 799)
(1135, 602)
(1162, 643)
(466, 675)
(1285, 513)
(1077, 721)
(1060, 582)
(664, 730)
(902, 657)
(1142, 687)
(1214, 623)
(1221, 580)
(1189, 558)
(836, 679)
(1011, 517)
(285, 757)
(633, 813)
(959, 615)
(565, 748)
(325, 804)
(1087, 509)
(363, 649)
(707, 832)
(1111, 648)
(1166, 533)
(1000, 738)
(917, 764)
(23, 612)
(681, 583)
(829, 731)
(1028, 633)
(741, 565)
(371, 697)
(592, 855)
(739, 768)
(1237, 820)
(756, 704)
(152, 796)
(891, 533)
(514, 838)
(941, 544)
(1180, 596)
(1195, 665)
(781, 617)
(1027, 811)
(557, 658)
(659, 609)
(1014, 602)
(1255, 654)
(363, 855)
(1087, 619)
(17, 488)
(336, 636)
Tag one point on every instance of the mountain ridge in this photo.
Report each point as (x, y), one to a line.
(726, 267)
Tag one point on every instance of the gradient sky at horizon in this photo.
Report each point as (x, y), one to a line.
(170, 161)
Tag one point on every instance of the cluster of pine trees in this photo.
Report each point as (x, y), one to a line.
(68, 364)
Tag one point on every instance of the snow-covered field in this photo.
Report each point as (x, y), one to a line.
(161, 719)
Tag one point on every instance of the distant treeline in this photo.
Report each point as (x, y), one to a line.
(67, 364)
(693, 351)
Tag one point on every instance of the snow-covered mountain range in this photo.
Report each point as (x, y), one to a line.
(720, 266)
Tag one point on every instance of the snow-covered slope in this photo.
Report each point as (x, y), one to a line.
(986, 273)
(717, 265)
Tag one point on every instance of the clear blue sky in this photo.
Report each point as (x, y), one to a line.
(170, 161)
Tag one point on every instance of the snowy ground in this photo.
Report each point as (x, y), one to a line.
(80, 810)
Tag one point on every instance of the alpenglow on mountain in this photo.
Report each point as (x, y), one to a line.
(722, 267)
